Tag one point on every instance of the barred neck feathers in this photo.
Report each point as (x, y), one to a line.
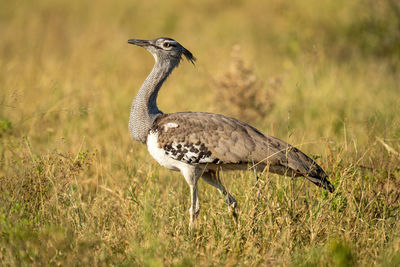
(144, 107)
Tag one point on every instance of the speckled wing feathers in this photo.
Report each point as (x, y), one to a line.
(214, 138)
(206, 138)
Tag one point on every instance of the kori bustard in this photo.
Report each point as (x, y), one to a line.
(202, 144)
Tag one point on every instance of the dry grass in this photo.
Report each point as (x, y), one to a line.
(240, 94)
(76, 190)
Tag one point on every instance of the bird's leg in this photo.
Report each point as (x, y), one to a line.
(195, 206)
(259, 192)
(192, 176)
(212, 178)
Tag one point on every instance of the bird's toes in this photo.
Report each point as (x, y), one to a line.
(191, 225)
(231, 202)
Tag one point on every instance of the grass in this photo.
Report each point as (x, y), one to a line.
(75, 189)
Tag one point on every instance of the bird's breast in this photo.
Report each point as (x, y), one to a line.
(171, 151)
(159, 154)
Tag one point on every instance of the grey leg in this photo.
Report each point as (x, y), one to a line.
(192, 175)
(212, 178)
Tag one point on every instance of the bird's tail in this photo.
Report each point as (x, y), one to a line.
(309, 169)
(321, 181)
(298, 164)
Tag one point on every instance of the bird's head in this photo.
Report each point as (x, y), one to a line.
(165, 49)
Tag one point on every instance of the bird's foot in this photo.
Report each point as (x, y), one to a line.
(193, 216)
(191, 225)
(231, 202)
(232, 210)
(232, 205)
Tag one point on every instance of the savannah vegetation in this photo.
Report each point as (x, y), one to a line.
(76, 190)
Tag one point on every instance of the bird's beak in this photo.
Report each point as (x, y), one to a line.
(142, 43)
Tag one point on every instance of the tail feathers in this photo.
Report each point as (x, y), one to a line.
(298, 163)
(309, 169)
(321, 181)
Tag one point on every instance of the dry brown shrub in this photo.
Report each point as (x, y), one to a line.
(241, 94)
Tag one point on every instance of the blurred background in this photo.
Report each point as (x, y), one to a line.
(322, 75)
(320, 69)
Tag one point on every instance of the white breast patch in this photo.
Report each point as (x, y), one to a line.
(159, 154)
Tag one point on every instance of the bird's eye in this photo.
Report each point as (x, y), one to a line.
(167, 44)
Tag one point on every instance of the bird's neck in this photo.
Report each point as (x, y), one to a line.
(144, 107)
